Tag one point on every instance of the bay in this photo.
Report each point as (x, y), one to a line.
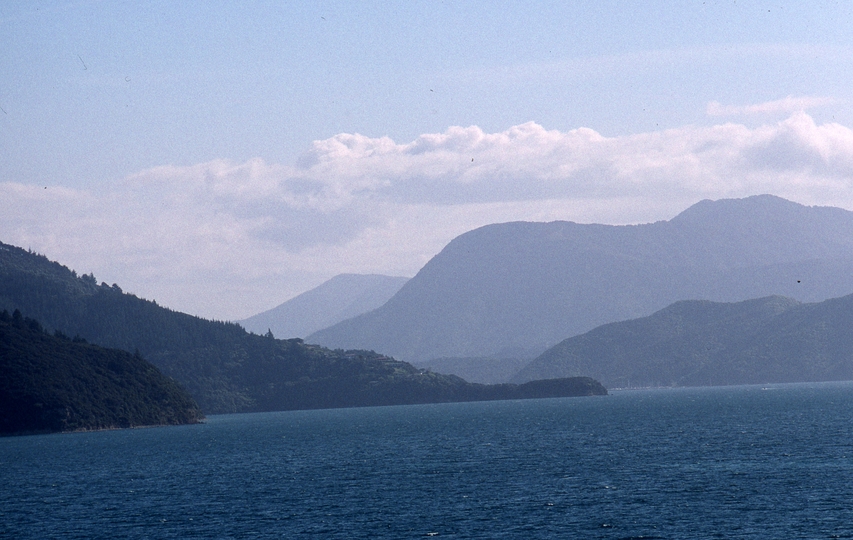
(734, 462)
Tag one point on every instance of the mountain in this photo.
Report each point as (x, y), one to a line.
(223, 367)
(53, 383)
(528, 286)
(342, 297)
(697, 343)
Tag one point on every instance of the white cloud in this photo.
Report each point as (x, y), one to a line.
(227, 240)
(786, 105)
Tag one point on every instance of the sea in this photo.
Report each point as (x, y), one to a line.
(772, 461)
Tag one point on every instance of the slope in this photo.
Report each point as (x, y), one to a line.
(697, 343)
(52, 383)
(342, 297)
(223, 367)
(527, 286)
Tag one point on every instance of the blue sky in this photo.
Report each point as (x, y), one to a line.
(222, 157)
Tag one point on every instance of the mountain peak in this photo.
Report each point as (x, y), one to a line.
(530, 285)
(755, 206)
(341, 297)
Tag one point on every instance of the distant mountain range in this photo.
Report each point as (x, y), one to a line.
(498, 296)
(225, 368)
(527, 286)
(696, 343)
(342, 297)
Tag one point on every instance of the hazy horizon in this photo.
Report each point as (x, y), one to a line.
(224, 159)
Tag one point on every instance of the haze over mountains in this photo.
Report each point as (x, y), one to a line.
(508, 291)
(524, 287)
(342, 297)
(696, 343)
(223, 367)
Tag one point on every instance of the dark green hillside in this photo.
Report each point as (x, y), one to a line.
(364, 378)
(223, 367)
(53, 383)
(698, 343)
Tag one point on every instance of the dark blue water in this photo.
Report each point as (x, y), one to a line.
(742, 462)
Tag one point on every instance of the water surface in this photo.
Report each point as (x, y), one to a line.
(735, 462)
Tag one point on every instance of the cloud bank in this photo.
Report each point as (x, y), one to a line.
(226, 240)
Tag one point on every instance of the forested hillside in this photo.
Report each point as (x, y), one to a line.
(56, 383)
(225, 368)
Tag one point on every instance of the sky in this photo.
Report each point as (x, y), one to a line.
(223, 157)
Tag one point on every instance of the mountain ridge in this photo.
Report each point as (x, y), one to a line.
(696, 343)
(340, 298)
(527, 285)
(225, 368)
